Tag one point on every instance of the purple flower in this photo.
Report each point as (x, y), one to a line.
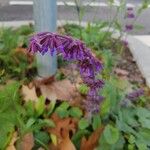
(130, 8)
(129, 27)
(94, 83)
(34, 46)
(130, 15)
(73, 50)
(92, 103)
(135, 94)
(125, 43)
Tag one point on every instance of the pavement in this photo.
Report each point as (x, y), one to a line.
(20, 12)
(141, 53)
(97, 10)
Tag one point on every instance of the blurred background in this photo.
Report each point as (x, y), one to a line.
(95, 11)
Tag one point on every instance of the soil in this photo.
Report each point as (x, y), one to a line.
(128, 63)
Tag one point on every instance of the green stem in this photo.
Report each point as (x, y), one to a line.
(42, 144)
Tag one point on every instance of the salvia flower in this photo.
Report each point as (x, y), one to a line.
(135, 94)
(73, 50)
(130, 15)
(130, 9)
(128, 27)
(125, 43)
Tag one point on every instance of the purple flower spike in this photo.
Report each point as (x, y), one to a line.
(73, 50)
(130, 8)
(130, 15)
(34, 46)
(135, 94)
(125, 43)
(129, 27)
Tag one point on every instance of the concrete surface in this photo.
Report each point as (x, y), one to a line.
(141, 53)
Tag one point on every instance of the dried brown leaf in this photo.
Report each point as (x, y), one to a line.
(23, 51)
(62, 90)
(92, 141)
(66, 144)
(11, 146)
(121, 72)
(29, 93)
(62, 130)
(63, 126)
(27, 142)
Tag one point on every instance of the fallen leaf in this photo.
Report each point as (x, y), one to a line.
(40, 148)
(61, 125)
(121, 72)
(66, 144)
(27, 142)
(23, 51)
(11, 146)
(64, 127)
(29, 93)
(62, 90)
(40, 81)
(92, 141)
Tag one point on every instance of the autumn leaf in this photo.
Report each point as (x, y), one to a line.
(66, 143)
(23, 51)
(67, 124)
(11, 146)
(62, 90)
(62, 130)
(27, 142)
(29, 93)
(121, 72)
(92, 141)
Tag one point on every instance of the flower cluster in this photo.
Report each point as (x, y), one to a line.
(128, 26)
(132, 97)
(129, 15)
(73, 50)
(135, 94)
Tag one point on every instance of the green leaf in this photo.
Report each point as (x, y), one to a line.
(103, 145)
(83, 89)
(131, 147)
(64, 105)
(41, 139)
(128, 116)
(40, 106)
(30, 122)
(76, 138)
(144, 117)
(29, 106)
(122, 124)
(75, 112)
(138, 26)
(96, 123)
(111, 134)
(54, 139)
(51, 107)
(11, 112)
(119, 144)
(83, 124)
(62, 110)
(144, 135)
(131, 139)
(47, 123)
(62, 113)
(105, 107)
(141, 145)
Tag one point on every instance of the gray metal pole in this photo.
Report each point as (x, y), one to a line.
(45, 14)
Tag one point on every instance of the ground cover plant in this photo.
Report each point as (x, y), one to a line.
(12, 51)
(95, 101)
(122, 121)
